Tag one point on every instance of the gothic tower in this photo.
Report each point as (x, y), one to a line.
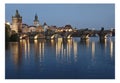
(36, 21)
(17, 22)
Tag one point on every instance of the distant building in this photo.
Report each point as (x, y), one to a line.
(25, 28)
(32, 29)
(39, 29)
(36, 21)
(60, 29)
(53, 28)
(45, 27)
(17, 22)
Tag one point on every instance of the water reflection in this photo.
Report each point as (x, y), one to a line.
(58, 47)
(108, 43)
(75, 50)
(39, 49)
(62, 50)
(93, 50)
(61, 58)
(65, 50)
(14, 50)
(85, 42)
(25, 48)
(16, 53)
(111, 48)
(103, 43)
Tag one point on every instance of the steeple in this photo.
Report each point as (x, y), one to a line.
(17, 14)
(36, 18)
(36, 21)
(44, 24)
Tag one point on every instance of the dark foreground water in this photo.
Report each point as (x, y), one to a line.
(61, 59)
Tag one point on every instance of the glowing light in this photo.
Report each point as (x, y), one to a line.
(58, 48)
(87, 43)
(35, 42)
(70, 30)
(20, 37)
(52, 42)
(60, 39)
(40, 53)
(105, 36)
(43, 48)
(20, 41)
(52, 36)
(14, 49)
(111, 49)
(69, 37)
(62, 50)
(25, 47)
(7, 23)
(36, 37)
(93, 50)
(87, 37)
(75, 50)
(61, 30)
(105, 43)
(28, 48)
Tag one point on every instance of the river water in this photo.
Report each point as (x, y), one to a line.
(61, 59)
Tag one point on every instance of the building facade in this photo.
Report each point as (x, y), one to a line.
(45, 27)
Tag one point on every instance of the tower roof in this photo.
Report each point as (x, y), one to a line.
(36, 18)
(44, 24)
(17, 14)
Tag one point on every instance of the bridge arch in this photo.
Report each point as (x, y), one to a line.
(104, 35)
(24, 36)
(37, 36)
(85, 36)
(56, 36)
(69, 36)
(108, 35)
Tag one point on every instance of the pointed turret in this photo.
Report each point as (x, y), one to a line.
(36, 18)
(36, 21)
(17, 15)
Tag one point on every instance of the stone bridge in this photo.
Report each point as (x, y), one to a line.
(32, 35)
(102, 34)
(83, 34)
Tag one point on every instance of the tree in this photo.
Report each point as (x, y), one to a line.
(14, 37)
(7, 32)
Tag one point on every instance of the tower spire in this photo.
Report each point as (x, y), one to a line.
(36, 17)
(36, 21)
(17, 13)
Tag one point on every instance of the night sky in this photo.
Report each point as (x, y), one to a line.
(77, 15)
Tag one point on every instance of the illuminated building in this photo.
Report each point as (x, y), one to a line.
(17, 22)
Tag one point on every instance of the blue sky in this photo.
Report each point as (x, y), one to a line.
(77, 15)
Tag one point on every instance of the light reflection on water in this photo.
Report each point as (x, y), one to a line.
(72, 53)
(93, 50)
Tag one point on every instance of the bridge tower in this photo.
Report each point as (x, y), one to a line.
(17, 22)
